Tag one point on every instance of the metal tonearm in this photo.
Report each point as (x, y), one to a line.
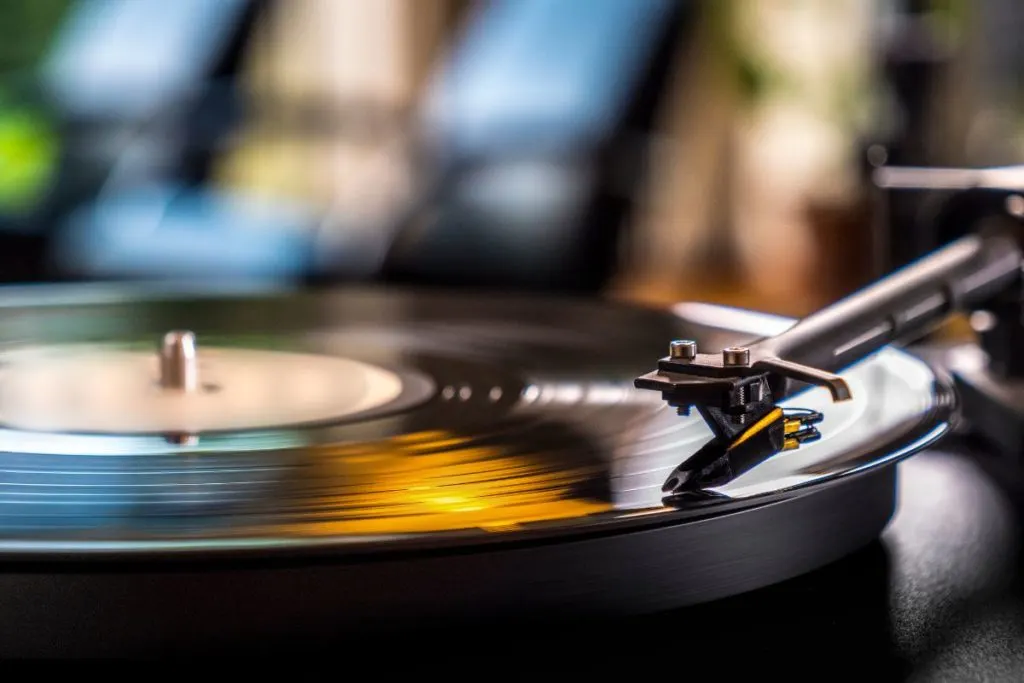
(736, 391)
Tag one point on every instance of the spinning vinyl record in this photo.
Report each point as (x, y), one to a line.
(355, 458)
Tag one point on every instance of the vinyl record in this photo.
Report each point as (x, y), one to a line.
(400, 455)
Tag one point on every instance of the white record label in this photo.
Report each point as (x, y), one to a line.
(98, 389)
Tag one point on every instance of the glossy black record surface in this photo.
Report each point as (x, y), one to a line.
(531, 431)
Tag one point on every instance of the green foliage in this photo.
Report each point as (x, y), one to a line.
(26, 29)
(28, 146)
(753, 78)
(950, 20)
(28, 157)
(952, 13)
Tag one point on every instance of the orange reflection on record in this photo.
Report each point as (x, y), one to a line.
(437, 481)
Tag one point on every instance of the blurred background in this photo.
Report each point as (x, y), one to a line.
(648, 150)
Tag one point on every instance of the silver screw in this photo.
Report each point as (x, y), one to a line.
(736, 355)
(178, 363)
(683, 349)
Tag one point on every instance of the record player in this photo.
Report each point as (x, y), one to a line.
(513, 477)
(189, 473)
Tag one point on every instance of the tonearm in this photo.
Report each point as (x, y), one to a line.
(737, 390)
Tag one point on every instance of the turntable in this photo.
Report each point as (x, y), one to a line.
(184, 474)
